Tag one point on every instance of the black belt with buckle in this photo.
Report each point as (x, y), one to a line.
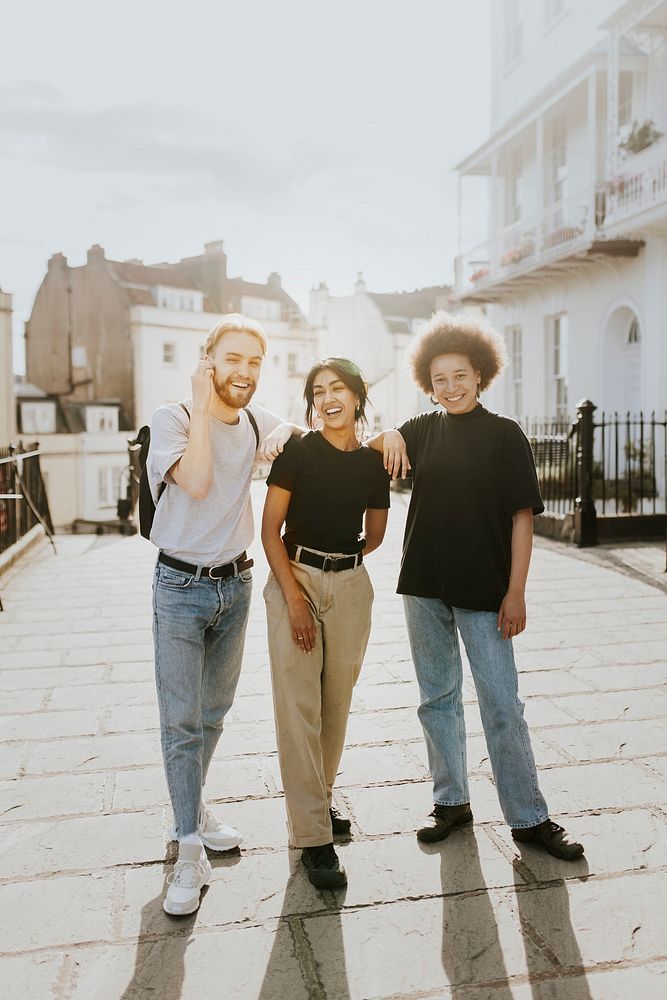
(330, 564)
(232, 568)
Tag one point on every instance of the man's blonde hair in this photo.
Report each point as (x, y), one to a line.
(236, 323)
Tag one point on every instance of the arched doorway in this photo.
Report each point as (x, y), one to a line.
(622, 362)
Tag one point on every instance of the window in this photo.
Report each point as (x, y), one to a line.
(624, 98)
(556, 162)
(514, 187)
(202, 351)
(293, 363)
(108, 485)
(184, 300)
(558, 365)
(101, 419)
(634, 336)
(169, 354)
(38, 418)
(377, 423)
(513, 31)
(514, 337)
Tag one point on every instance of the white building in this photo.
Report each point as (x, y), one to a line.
(7, 404)
(574, 269)
(375, 330)
(83, 454)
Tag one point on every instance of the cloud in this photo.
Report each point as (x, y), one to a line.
(196, 155)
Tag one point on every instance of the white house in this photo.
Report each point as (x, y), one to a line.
(374, 330)
(574, 267)
(83, 454)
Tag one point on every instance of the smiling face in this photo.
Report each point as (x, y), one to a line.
(237, 360)
(455, 382)
(335, 403)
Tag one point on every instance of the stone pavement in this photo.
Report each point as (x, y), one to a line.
(83, 858)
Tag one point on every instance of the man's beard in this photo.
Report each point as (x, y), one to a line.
(231, 396)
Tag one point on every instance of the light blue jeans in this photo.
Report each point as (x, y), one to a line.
(437, 658)
(198, 630)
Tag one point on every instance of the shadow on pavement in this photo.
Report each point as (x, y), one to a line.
(471, 950)
(335, 957)
(159, 966)
(544, 914)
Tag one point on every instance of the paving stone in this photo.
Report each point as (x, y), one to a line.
(646, 981)
(602, 740)
(614, 842)
(398, 866)
(37, 678)
(402, 808)
(93, 753)
(551, 682)
(134, 671)
(11, 757)
(636, 675)
(81, 844)
(256, 962)
(248, 888)
(132, 718)
(102, 696)
(256, 709)
(372, 765)
(600, 786)
(261, 821)
(106, 654)
(60, 795)
(636, 932)
(48, 725)
(381, 951)
(645, 704)
(381, 696)
(57, 913)
(33, 976)
(22, 701)
(383, 727)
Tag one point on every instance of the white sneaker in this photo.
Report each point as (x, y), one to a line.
(185, 885)
(214, 834)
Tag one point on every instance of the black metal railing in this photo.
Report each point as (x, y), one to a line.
(613, 465)
(23, 499)
(555, 450)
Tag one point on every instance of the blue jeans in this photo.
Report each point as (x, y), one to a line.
(437, 658)
(198, 631)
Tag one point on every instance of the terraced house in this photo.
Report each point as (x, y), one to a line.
(574, 265)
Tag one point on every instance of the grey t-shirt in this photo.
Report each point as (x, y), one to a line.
(218, 528)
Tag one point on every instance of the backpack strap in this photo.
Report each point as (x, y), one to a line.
(253, 424)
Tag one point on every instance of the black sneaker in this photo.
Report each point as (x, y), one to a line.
(442, 821)
(323, 867)
(340, 825)
(552, 838)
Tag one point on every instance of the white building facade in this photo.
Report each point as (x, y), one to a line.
(574, 269)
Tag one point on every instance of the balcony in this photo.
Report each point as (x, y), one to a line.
(569, 234)
(635, 201)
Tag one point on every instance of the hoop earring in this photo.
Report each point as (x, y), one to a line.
(433, 399)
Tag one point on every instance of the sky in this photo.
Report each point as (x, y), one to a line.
(315, 139)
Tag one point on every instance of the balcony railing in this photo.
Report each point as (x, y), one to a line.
(558, 230)
(640, 190)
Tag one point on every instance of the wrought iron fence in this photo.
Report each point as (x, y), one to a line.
(614, 465)
(23, 499)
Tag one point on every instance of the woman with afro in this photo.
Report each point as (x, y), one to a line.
(466, 553)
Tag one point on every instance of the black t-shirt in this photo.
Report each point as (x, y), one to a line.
(472, 472)
(330, 490)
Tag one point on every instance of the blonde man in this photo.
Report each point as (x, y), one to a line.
(200, 468)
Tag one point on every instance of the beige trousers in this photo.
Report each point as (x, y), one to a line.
(312, 692)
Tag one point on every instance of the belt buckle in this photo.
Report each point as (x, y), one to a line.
(326, 568)
(215, 576)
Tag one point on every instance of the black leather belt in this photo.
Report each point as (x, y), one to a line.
(330, 564)
(232, 568)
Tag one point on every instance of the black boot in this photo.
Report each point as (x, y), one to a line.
(442, 821)
(552, 838)
(323, 866)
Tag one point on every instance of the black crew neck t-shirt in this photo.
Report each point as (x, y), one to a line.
(330, 490)
(472, 472)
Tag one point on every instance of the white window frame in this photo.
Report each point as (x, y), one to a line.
(168, 348)
(514, 40)
(557, 365)
(514, 340)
